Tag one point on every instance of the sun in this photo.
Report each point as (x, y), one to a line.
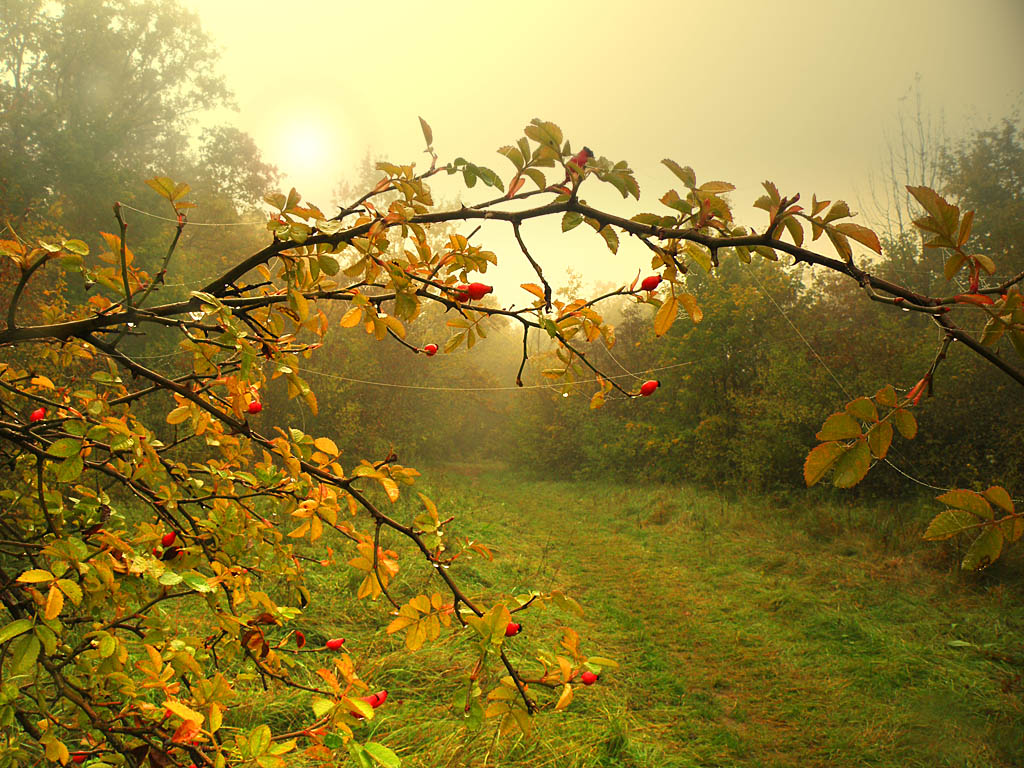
(309, 153)
(304, 148)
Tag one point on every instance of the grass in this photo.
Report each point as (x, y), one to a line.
(749, 634)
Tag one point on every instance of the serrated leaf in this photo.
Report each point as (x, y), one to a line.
(852, 466)
(985, 550)
(665, 316)
(65, 447)
(428, 135)
(35, 576)
(998, 496)
(54, 603)
(684, 173)
(886, 396)
(611, 238)
(162, 185)
(820, 460)
(571, 220)
(15, 628)
(863, 409)
(24, 652)
(840, 426)
(382, 755)
(69, 469)
(906, 423)
(862, 235)
(972, 502)
(352, 318)
(948, 523)
(716, 187)
(689, 303)
(180, 710)
(879, 439)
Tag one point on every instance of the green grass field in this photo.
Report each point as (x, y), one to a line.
(743, 639)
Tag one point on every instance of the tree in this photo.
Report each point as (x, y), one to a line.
(95, 95)
(133, 487)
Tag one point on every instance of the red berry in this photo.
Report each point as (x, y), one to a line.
(78, 757)
(255, 406)
(462, 292)
(588, 678)
(170, 553)
(168, 538)
(335, 643)
(650, 283)
(430, 349)
(648, 387)
(300, 638)
(37, 415)
(477, 291)
(155, 551)
(376, 699)
(513, 629)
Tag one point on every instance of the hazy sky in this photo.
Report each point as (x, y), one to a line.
(803, 93)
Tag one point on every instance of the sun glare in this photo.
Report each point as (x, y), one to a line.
(310, 156)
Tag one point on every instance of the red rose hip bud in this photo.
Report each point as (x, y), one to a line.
(78, 757)
(513, 628)
(334, 643)
(650, 283)
(648, 387)
(477, 291)
(588, 678)
(168, 538)
(37, 415)
(430, 349)
(255, 407)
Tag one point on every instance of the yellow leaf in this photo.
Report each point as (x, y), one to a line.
(326, 445)
(666, 316)
(178, 415)
(179, 709)
(36, 576)
(565, 699)
(54, 603)
(533, 288)
(390, 487)
(352, 318)
(690, 305)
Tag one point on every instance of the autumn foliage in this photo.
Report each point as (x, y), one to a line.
(160, 527)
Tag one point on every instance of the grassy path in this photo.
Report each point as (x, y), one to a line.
(744, 642)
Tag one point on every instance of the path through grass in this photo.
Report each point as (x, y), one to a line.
(743, 641)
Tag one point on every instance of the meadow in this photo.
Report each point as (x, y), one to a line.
(749, 632)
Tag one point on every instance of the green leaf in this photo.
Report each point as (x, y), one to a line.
(197, 582)
(863, 409)
(684, 173)
(985, 550)
(887, 396)
(879, 439)
(905, 423)
(163, 186)
(382, 755)
(76, 246)
(852, 466)
(611, 239)
(15, 628)
(820, 460)
(69, 469)
(259, 740)
(998, 496)
(700, 255)
(840, 426)
(969, 501)
(571, 220)
(948, 523)
(67, 446)
(24, 652)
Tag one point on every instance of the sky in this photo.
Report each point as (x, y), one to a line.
(806, 94)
